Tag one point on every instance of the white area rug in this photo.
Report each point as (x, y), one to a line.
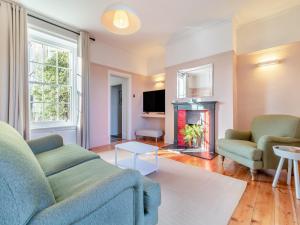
(191, 195)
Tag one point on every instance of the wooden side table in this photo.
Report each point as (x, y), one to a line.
(293, 155)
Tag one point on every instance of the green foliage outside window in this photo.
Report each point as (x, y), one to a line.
(50, 83)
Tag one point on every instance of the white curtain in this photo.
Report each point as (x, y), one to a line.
(84, 103)
(13, 67)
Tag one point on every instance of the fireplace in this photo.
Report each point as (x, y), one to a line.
(200, 115)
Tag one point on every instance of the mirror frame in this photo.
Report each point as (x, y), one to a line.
(211, 77)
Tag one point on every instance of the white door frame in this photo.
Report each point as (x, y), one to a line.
(129, 102)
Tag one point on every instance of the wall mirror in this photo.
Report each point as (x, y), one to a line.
(195, 82)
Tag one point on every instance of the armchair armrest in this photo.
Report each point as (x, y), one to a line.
(238, 135)
(266, 143)
(266, 140)
(44, 144)
(85, 202)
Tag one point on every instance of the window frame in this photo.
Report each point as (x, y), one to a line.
(58, 43)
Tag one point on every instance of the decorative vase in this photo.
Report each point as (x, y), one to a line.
(195, 142)
(200, 142)
(190, 143)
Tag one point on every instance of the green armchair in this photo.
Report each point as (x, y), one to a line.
(254, 148)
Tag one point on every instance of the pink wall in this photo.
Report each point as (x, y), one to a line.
(269, 89)
(223, 65)
(99, 103)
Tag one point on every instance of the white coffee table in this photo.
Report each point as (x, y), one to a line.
(136, 148)
(293, 156)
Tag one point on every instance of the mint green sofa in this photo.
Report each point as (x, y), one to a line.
(44, 182)
(254, 148)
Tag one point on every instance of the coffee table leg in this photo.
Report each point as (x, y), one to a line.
(134, 161)
(278, 172)
(156, 159)
(116, 156)
(296, 174)
(289, 175)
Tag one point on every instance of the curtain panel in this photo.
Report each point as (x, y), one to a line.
(14, 67)
(83, 137)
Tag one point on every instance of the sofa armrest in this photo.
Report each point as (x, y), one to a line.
(238, 135)
(83, 203)
(47, 143)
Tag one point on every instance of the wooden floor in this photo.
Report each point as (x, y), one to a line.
(260, 203)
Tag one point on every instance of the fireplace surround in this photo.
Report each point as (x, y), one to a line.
(195, 113)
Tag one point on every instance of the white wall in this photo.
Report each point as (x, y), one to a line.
(107, 55)
(156, 64)
(276, 86)
(201, 43)
(279, 29)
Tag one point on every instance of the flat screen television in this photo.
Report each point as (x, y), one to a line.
(154, 101)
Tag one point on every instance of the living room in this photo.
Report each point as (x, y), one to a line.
(145, 112)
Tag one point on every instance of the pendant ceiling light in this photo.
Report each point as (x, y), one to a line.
(120, 19)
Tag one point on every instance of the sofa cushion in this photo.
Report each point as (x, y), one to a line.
(64, 157)
(93, 192)
(46, 143)
(246, 149)
(151, 194)
(75, 179)
(24, 187)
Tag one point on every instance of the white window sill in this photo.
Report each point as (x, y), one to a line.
(48, 128)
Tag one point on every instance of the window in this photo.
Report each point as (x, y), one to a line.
(51, 81)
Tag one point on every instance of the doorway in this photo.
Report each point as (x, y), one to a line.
(119, 106)
(116, 112)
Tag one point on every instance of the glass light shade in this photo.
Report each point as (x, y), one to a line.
(120, 19)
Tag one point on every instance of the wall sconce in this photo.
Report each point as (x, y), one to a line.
(159, 84)
(268, 63)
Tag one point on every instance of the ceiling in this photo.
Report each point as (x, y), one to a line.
(161, 20)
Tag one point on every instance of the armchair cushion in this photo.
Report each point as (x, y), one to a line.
(67, 156)
(238, 135)
(275, 125)
(246, 149)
